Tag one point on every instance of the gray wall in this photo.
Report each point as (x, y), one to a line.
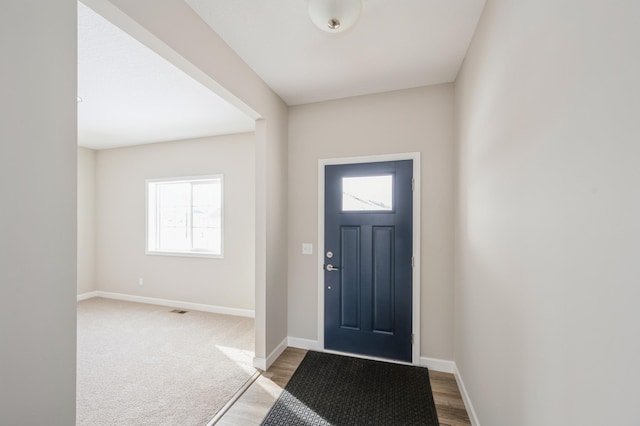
(37, 212)
(86, 220)
(549, 165)
(414, 120)
(121, 222)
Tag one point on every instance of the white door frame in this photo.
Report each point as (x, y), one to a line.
(415, 156)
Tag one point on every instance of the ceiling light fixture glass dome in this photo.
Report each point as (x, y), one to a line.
(334, 16)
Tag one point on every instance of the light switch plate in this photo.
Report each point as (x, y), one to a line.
(307, 248)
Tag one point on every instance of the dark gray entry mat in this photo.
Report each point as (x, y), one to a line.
(329, 389)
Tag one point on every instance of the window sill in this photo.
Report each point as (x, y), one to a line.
(183, 254)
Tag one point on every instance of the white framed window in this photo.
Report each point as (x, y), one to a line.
(185, 216)
(367, 193)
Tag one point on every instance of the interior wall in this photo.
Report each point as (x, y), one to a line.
(86, 219)
(121, 222)
(548, 230)
(414, 120)
(38, 212)
(274, 177)
(177, 33)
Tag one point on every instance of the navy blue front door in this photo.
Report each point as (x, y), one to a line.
(368, 259)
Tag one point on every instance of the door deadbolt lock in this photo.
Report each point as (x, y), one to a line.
(329, 254)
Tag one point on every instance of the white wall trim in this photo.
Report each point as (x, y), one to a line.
(88, 295)
(465, 397)
(435, 364)
(415, 156)
(260, 363)
(310, 345)
(172, 303)
(264, 363)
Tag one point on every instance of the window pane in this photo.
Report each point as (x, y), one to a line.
(207, 239)
(207, 216)
(173, 215)
(204, 194)
(367, 193)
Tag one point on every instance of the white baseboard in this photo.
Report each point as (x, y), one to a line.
(264, 363)
(465, 397)
(294, 342)
(310, 345)
(435, 364)
(172, 303)
(260, 363)
(89, 295)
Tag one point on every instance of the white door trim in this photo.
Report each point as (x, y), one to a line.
(415, 156)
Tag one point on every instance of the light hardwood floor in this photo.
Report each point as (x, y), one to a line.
(256, 401)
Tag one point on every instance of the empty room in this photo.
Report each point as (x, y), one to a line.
(166, 237)
(429, 217)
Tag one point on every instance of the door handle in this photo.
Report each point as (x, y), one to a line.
(331, 268)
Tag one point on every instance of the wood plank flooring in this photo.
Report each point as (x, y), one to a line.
(255, 403)
(449, 405)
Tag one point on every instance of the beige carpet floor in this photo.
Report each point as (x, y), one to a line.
(144, 365)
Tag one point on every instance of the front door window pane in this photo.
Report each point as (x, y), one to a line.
(367, 193)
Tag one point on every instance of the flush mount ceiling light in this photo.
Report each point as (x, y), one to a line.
(334, 16)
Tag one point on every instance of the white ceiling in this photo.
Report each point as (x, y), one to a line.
(396, 44)
(132, 96)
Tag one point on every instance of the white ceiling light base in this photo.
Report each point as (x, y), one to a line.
(334, 16)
